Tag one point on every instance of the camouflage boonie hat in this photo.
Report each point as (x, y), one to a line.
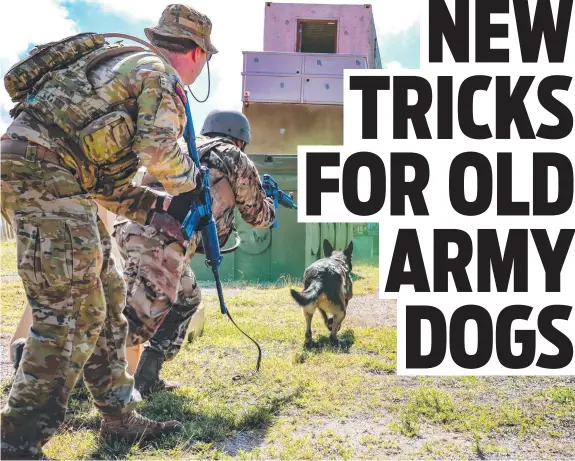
(181, 21)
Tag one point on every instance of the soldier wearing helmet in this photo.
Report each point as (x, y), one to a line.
(163, 293)
(87, 115)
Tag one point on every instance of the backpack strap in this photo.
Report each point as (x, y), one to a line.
(108, 53)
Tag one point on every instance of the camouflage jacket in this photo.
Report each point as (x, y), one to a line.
(228, 163)
(157, 110)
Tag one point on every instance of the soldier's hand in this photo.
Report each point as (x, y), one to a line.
(181, 205)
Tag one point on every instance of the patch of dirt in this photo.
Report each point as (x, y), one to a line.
(245, 441)
(370, 311)
(369, 438)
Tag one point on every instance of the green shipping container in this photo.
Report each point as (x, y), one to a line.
(265, 255)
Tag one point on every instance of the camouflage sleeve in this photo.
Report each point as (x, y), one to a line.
(161, 121)
(255, 207)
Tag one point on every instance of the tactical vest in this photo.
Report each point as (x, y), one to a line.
(52, 85)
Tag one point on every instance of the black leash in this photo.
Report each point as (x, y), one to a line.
(227, 311)
(251, 339)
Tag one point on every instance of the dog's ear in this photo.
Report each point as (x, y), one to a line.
(327, 248)
(348, 250)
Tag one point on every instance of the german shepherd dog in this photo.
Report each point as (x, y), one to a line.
(327, 287)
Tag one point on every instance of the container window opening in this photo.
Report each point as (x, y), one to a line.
(317, 36)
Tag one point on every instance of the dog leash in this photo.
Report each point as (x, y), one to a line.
(235, 378)
(258, 363)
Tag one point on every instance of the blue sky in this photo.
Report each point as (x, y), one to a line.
(238, 26)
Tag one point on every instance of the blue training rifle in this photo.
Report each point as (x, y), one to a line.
(279, 197)
(200, 218)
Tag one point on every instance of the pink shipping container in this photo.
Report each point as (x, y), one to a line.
(292, 94)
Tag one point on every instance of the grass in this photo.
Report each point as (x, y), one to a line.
(320, 401)
(12, 303)
(8, 258)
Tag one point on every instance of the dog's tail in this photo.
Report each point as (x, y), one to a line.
(309, 295)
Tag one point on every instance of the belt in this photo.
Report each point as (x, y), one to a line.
(30, 150)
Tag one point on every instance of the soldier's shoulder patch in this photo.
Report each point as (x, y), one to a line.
(180, 92)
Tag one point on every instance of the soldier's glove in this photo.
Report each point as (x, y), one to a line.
(182, 203)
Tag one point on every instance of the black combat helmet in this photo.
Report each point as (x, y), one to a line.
(229, 123)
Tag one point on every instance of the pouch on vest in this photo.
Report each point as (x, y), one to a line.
(108, 138)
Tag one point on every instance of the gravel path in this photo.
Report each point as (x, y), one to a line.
(370, 311)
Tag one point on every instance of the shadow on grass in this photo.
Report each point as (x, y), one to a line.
(344, 342)
(218, 426)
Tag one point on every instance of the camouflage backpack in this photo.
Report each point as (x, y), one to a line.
(51, 84)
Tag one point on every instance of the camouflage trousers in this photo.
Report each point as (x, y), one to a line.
(77, 296)
(162, 291)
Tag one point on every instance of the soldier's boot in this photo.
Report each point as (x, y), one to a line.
(147, 375)
(135, 426)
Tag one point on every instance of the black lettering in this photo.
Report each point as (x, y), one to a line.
(465, 107)
(369, 85)
(407, 247)
(511, 107)
(555, 107)
(456, 33)
(457, 183)
(350, 187)
(505, 204)
(541, 163)
(555, 337)
(443, 265)
(552, 258)
(515, 257)
(400, 188)
(525, 337)
(485, 30)
(543, 24)
(445, 107)
(402, 112)
(413, 317)
(484, 337)
(315, 184)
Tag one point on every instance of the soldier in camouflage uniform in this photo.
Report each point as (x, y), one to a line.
(50, 181)
(163, 294)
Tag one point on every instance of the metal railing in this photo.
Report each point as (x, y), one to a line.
(296, 78)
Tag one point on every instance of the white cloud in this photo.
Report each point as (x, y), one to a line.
(395, 16)
(392, 65)
(33, 22)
